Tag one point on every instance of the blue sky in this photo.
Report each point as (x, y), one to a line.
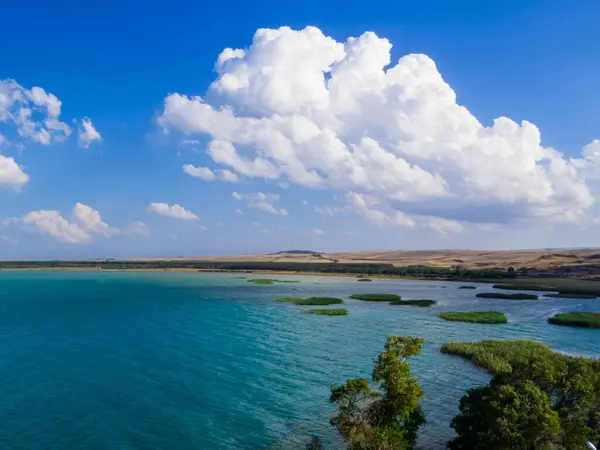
(331, 148)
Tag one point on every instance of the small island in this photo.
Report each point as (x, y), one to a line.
(326, 312)
(507, 296)
(367, 280)
(422, 303)
(269, 281)
(577, 319)
(376, 297)
(467, 287)
(311, 301)
(574, 296)
(489, 317)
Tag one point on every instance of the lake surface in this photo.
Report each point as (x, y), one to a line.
(150, 360)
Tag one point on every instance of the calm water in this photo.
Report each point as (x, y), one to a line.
(93, 360)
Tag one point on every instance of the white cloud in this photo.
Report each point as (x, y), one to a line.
(202, 227)
(11, 174)
(264, 202)
(240, 212)
(87, 133)
(7, 240)
(86, 223)
(227, 175)
(318, 231)
(34, 112)
(300, 107)
(203, 173)
(444, 226)
(304, 202)
(175, 211)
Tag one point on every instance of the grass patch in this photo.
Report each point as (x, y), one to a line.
(577, 319)
(507, 296)
(377, 297)
(311, 301)
(580, 296)
(270, 281)
(422, 303)
(467, 287)
(326, 312)
(475, 317)
(525, 287)
(498, 356)
(365, 280)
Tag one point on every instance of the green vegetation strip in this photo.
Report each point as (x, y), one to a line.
(498, 356)
(579, 296)
(270, 281)
(376, 297)
(467, 287)
(577, 319)
(525, 287)
(326, 312)
(312, 301)
(561, 285)
(365, 279)
(507, 296)
(422, 303)
(475, 317)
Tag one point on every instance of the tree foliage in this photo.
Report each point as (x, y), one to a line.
(546, 400)
(387, 417)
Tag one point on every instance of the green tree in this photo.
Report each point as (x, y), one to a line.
(506, 417)
(388, 417)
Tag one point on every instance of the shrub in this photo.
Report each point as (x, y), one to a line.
(376, 297)
(475, 317)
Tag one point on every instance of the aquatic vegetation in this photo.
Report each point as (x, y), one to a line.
(422, 303)
(376, 297)
(577, 319)
(365, 279)
(326, 312)
(467, 287)
(525, 287)
(311, 301)
(493, 317)
(575, 296)
(270, 281)
(507, 296)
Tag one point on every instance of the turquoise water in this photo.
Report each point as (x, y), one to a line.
(124, 360)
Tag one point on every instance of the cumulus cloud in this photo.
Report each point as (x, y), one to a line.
(175, 211)
(87, 133)
(11, 174)
(203, 173)
(227, 175)
(34, 112)
(444, 226)
(298, 106)
(264, 202)
(86, 222)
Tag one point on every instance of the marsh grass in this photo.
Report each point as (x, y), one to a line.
(326, 312)
(507, 296)
(422, 303)
(311, 301)
(577, 319)
(490, 317)
(376, 297)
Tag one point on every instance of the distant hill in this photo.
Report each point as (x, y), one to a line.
(298, 252)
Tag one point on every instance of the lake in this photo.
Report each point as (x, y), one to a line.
(152, 360)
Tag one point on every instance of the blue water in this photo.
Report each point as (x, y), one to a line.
(141, 360)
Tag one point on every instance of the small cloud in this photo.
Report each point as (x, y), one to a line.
(137, 227)
(240, 212)
(87, 133)
(445, 226)
(175, 211)
(227, 175)
(203, 173)
(202, 228)
(237, 196)
(318, 232)
(7, 240)
(304, 202)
